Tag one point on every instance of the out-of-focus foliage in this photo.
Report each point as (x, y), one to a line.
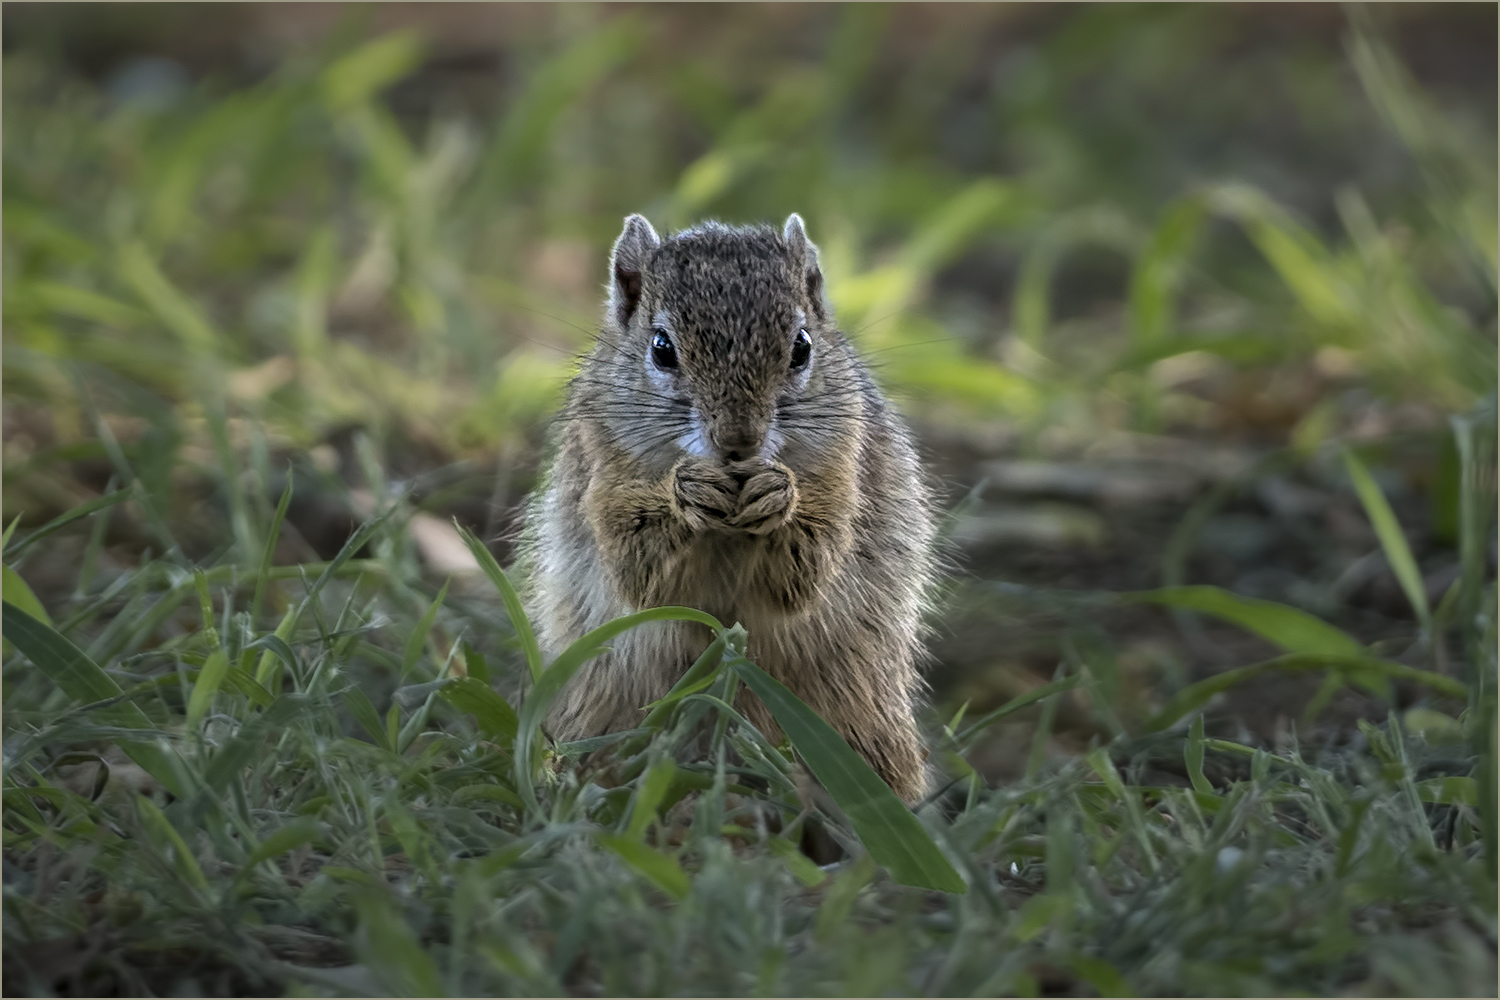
(296, 253)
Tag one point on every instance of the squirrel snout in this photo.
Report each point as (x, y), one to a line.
(739, 444)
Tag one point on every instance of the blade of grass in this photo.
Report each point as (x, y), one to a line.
(894, 836)
(372, 67)
(160, 830)
(419, 634)
(1358, 668)
(388, 947)
(652, 787)
(303, 830)
(656, 866)
(699, 676)
(364, 713)
(414, 725)
(15, 548)
(1392, 540)
(89, 567)
(276, 648)
(210, 678)
(1015, 705)
(512, 600)
(496, 719)
(82, 679)
(268, 553)
(1192, 753)
(547, 687)
(15, 590)
(240, 521)
(1159, 270)
(1043, 734)
(1293, 630)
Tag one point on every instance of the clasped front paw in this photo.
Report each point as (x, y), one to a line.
(754, 497)
(766, 501)
(704, 493)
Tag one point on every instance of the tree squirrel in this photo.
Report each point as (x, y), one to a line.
(723, 447)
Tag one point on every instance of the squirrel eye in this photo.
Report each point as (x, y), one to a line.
(801, 349)
(662, 351)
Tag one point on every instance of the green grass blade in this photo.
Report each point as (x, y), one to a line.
(393, 728)
(247, 745)
(1192, 753)
(389, 948)
(1102, 976)
(159, 829)
(512, 600)
(15, 548)
(521, 140)
(268, 553)
(496, 719)
(10, 529)
(372, 67)
(302, 830)
(82, 680)
(242, 682)
(698, 677)
(358, 704)
(1293, 630)
(414, 725)
(230, 467)
(659, 868)
(177, 311)
(1365, 670)
(205, 605)
(267, 673)
(419, 634)
(1475, 440)
(1392, 540)
(1159, 271)
(588, 646)
(1043, 735)
(15, 590)
(804, 868)
(210, 678)
(1015, 705)
(496, 793)
(894, 837)
(356, 541)
(652, 788)
(1448, 791)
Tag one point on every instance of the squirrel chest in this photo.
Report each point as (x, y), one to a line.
(723, 447)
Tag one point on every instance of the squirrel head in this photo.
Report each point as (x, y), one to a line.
(722, 343)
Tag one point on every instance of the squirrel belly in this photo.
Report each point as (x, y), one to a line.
(722, 447)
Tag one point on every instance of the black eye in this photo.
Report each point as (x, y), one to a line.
(801, 350)
(662, 351)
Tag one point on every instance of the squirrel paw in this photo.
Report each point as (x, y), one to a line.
(767, 500)
(704, 493)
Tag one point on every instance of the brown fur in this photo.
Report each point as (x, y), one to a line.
(788, 500)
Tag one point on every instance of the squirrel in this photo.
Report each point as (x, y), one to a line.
(723, 447)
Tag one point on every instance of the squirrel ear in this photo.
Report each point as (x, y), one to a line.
(627, 260)
(806, 254)
(795, 235)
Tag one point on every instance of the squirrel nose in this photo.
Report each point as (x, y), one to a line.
(739, 444)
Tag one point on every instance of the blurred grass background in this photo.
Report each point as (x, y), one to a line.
(1138, 274)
